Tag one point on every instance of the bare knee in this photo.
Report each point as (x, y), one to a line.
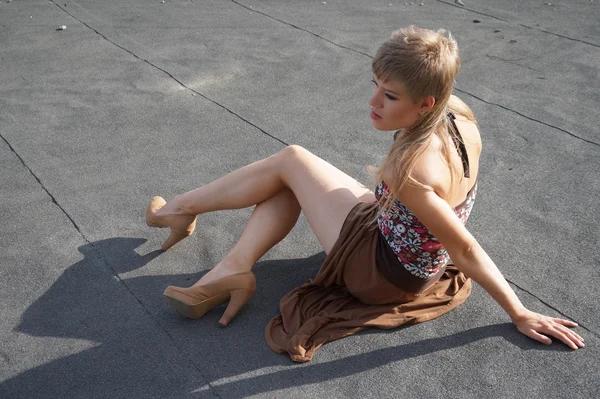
(290, 158)
(293, 151)
(289, 162)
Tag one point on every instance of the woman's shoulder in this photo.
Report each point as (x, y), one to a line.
(431, 168)
(468, 129)
(465, 122)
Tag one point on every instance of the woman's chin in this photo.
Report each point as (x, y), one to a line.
(376, 123)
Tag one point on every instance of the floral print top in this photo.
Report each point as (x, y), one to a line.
(417, 249)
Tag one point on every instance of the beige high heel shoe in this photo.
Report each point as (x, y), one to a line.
(181, 226)
(194, 302)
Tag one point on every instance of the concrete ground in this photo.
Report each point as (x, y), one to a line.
(140, 98)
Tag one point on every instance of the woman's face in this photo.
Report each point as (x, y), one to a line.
(391, 106)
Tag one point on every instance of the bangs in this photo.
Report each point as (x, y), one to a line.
(389, 65)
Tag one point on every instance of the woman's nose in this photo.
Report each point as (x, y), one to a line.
(374, 100)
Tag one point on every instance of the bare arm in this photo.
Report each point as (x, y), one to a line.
(473, 261)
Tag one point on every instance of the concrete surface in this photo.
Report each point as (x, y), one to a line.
(139, 98)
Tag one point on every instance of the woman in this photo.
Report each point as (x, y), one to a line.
(397, 254)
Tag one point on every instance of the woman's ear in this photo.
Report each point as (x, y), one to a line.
(427, 103)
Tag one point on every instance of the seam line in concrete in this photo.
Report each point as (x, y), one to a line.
(480, 99)
(42, 185)
(299, 28)
(462, 91)
(471, 10)
(105, 261)
(513, 62)
(559, 35)
(222, 106)
(528, 117)
(170, 75)
(554, 308)
(518, 23)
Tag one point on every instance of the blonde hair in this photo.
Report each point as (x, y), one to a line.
(426, 63)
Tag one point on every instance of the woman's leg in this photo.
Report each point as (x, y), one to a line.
(324, 193)
(270, 222)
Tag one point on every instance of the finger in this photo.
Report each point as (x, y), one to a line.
(539, 337)
(566, 322)
(576, 336)
(562, 336)
(571, 334)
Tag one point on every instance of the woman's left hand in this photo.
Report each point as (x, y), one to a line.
(535, 325)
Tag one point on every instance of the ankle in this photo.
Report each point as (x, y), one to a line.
(235, 264)
(176, 206)
(187, 204)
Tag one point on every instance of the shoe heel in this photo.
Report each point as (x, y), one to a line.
(179, 230)
(174, 238)
(238, 299)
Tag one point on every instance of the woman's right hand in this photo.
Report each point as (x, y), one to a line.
(538, 327)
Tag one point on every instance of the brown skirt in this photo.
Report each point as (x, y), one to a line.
(349, 295)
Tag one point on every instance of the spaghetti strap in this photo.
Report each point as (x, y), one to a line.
(460, 145)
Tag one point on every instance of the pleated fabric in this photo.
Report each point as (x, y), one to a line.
(349, 295)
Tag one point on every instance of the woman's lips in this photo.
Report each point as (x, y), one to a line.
(373, 115)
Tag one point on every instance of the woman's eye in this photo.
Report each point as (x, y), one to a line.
(386, 94)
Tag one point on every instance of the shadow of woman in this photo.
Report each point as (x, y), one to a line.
(347, 366)
(125, 355)
(134, 358)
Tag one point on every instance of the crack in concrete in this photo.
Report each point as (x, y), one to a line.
(559, 35)
(43, 187)
(518, 23)
(554, 308)
(462, 91)
(528, 117)
(213, 390)
(103, 259)
(299, 28)
(170, 75)
(512, 62)
(480, 99)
